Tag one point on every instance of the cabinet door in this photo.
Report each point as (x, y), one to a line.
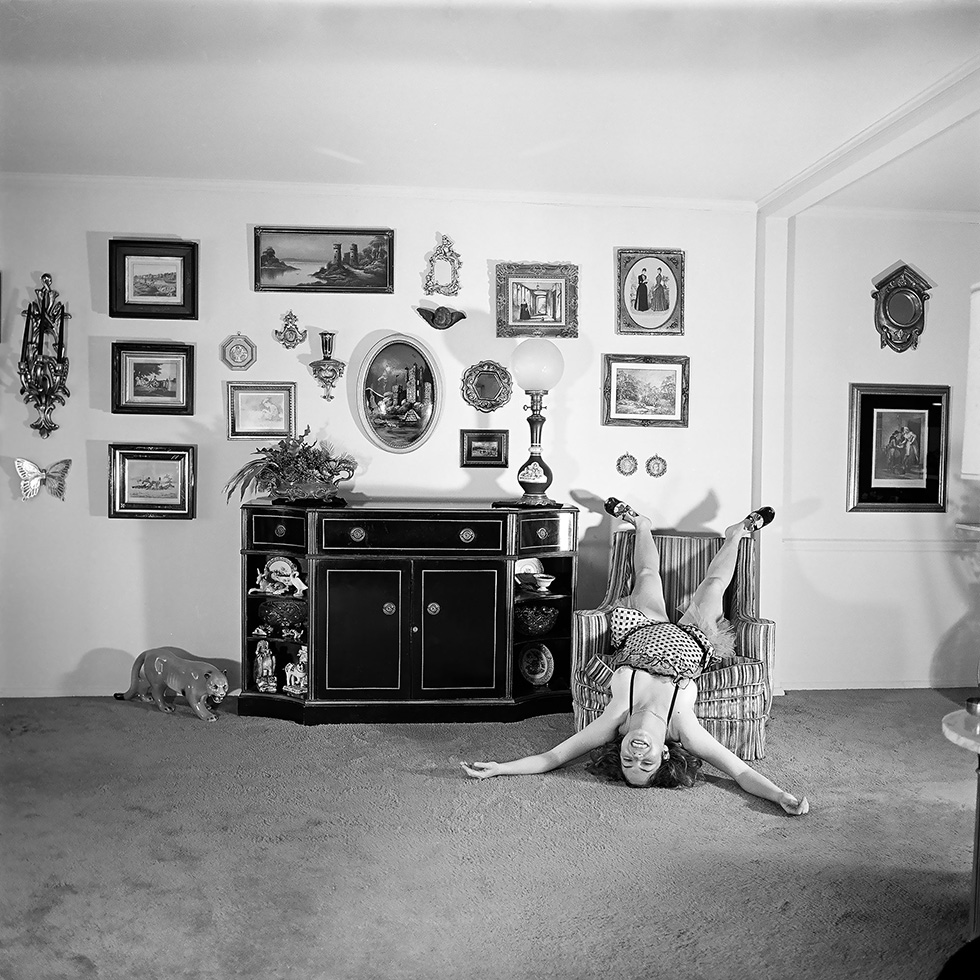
(462, 629)
(362, 629)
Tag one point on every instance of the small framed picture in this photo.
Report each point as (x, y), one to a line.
(324, 260)
(650, 291)
(645, 389)
(536, 300)
(152, 481)
(238, 352)
(261, 409)
(897, 449)
(400, 393)
(483, 447)
(152, 279)
(152, 379)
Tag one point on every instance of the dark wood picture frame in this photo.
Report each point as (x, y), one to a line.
(260, 409)
(152, 279)
(646, 389)
(155, 482)
(324, 260)
(152, 379)
(484, 447)
(898, 448)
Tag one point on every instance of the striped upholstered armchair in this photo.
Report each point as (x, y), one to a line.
(735, 697)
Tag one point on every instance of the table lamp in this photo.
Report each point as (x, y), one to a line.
(537, 367)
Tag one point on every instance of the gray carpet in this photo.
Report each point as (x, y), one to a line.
(142, 845)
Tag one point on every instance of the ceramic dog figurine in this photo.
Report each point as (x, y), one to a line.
(164, 668)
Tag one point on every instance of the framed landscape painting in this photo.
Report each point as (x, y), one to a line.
(152, 379)
(483, 447)
(650, 291)
(152, 481)
(400, 393)
(897, 448)
(645, 389)
(324, 260)
(536, 300)
(152, 279)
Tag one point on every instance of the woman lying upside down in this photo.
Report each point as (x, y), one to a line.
(648, 734)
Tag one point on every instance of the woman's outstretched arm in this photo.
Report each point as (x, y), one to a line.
(594, 734)
(695, 739)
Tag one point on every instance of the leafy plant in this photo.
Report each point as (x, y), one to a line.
(291, 461)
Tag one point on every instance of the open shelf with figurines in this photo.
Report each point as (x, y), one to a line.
(277, 620)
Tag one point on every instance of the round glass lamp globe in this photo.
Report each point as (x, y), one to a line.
(537, 365)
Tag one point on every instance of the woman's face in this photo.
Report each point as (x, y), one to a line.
(640, 755)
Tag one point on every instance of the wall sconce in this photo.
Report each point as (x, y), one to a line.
(43, 365)
(327, 371)
(537, 366)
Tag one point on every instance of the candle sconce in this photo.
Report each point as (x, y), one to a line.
(43, 365)
(327, 371)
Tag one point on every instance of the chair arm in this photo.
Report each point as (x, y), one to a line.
(590, 638)
(755, 639)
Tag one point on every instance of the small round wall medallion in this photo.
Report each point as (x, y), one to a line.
(626, 465)
(656, 466)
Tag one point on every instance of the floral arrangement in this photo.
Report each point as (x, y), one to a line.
(294, 468)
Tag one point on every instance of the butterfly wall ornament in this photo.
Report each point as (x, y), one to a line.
(32, 478)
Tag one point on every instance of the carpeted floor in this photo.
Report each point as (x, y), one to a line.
(140, 845)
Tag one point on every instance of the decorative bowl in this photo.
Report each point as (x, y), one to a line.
(533, 620)
(543, 581)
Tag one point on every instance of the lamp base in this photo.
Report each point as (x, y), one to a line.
(528, 500)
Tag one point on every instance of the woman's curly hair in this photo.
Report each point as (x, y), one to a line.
(679, 769)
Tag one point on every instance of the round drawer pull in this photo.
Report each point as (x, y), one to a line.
(280, 531)
(389, 609)
(467, 535)
(542, 533)
(433, 608)
(357, 534)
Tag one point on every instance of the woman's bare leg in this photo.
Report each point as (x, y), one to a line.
(648, 588)
(708, 601)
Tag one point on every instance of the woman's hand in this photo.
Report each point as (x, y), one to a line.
(793, 806)
(481, 770)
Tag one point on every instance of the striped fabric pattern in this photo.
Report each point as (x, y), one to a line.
(735, 698)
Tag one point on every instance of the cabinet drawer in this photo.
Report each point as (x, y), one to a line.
(546, 532)
(406, 534)
(280, 530)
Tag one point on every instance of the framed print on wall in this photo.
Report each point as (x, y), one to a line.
(261, 409)
(152, 379)
(645, 389)
(151, 279)
(536, 300)
(324, 260)
(650, 291)
(399, 393)
(897, 448)
(152, 481)
(483, 447)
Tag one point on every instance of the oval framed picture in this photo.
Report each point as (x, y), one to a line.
(399, 393)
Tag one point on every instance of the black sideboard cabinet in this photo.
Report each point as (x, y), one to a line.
(406, 611)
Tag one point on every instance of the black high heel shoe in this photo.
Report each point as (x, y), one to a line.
(617, 508)
(758, 519)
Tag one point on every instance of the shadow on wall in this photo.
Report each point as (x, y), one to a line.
(958, 652)
(100, 662)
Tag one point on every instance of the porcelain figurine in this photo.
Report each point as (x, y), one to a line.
(296, 673)
(265, 668)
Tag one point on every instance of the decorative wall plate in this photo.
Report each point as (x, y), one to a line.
(528, 566)
(656, 466)
(238, 352)
(627, 465)
(536, 664)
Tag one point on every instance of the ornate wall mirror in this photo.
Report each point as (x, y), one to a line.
(443, 269)
(900, 307)
(486, 386)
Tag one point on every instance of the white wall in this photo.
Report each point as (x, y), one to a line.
(872, 599)
(81, 595)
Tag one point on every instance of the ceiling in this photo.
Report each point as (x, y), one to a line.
(637, 99)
